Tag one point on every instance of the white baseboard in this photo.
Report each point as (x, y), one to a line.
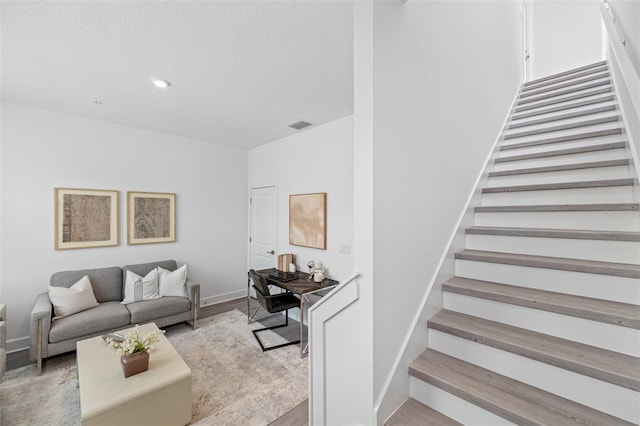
(220, 298)
(17, 345)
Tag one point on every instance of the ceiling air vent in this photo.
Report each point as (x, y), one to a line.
(299, 125)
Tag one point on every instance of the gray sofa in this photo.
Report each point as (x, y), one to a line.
(49, 338)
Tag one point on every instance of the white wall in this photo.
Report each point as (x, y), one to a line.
(445, 74)
(623, 54)
(41, 150)
(566, 34)
(627, 14)
(315, 160)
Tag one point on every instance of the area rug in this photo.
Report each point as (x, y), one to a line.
(233, 381)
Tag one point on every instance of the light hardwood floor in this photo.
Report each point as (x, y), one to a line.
(298, 416)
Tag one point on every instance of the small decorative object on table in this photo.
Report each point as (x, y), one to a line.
(134, 350)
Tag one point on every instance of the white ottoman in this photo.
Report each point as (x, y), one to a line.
(159, 396)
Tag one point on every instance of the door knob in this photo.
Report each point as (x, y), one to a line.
(271, 252)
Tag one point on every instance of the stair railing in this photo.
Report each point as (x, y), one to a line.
(331, 305)
(626, 76)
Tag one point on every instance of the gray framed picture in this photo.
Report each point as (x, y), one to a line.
(151, 217)
(85, 218)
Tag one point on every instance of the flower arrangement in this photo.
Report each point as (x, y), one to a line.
(133, 342)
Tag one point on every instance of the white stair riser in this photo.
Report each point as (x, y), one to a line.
(568, 132)
(573, 82)
(611, 399)
(539, 108)
(594, 333)
(578, 175)
(557, 146)
(453, 406)
(601, 70)
(559, 160)
(565, 98)
(572, 120)
(549, 111)
(553, 114)
(609, 194)
(603, 250)
(605, 287)
(594, 220)
(557, 90)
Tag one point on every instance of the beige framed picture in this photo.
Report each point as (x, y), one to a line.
(85, 218)
(308, 220)
(151, 217)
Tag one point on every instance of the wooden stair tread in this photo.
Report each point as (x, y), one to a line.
(565, 73)
(565, 264)
(560, 168)
(623, 314)
(613, 367)
(565, 138)
(597, 110)
(522, 115)
(580, 234)
(532, 91)
(513, 400)
(413, 412)
(590, 71)
(561, 185)
(559, 100)
(560, 127)
(563, 92)
(558, 152)
(617, 207)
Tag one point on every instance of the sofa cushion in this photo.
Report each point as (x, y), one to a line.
(172, 283)
(105, 316)
(143, 269)
(148, 310)
(106, 282)
(137, 288)
(77, 298)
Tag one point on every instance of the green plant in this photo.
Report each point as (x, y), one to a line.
(133, 342)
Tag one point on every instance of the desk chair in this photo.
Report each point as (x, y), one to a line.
(272, 303)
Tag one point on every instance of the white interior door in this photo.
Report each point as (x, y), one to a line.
(263, 233)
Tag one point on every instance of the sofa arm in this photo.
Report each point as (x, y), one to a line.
(193, 293)
(39, 325)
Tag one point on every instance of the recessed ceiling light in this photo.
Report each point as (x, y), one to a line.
(162, 84)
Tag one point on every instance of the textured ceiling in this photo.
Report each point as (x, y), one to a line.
(241, 71)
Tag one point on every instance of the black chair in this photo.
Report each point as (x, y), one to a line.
(272, 303)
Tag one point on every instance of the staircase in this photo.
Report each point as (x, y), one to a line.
(541, 324)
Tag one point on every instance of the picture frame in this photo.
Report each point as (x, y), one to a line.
(151, 217)
(85, 218)
(308, 220)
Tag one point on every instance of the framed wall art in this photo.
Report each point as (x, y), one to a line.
(151, 217)
(308, 220)
(85, 218)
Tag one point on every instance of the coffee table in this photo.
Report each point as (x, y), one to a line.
(158, 396)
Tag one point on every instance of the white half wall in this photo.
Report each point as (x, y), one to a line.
(318, 159)
(41, 150)
(445, 74)
(566, 34)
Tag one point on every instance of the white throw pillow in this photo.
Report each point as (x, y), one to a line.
(173, 283)
(79, 297)
(137, 288)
